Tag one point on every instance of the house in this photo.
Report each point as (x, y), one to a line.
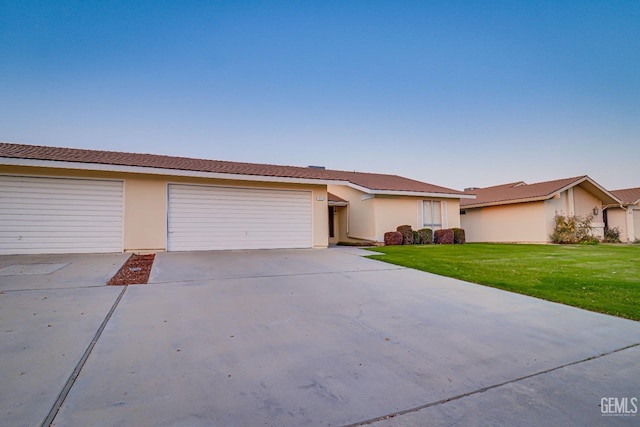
(625, 215)
(371, 204)
(520, 212)
(57, 200)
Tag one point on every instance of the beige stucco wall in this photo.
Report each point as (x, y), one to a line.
(370, 217)
(575, 201)
(627, 220)
(585, 203)
(620, 218)
(145, 213)
(520, 222)
(530, 222)
(392, 211)
(359, 221)
(145, 207)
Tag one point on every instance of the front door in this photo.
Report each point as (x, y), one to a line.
(332, 223)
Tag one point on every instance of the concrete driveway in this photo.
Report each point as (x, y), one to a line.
(307, 337)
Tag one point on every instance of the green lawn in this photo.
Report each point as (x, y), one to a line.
(603, 278)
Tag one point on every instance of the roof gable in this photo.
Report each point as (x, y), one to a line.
(519, 192)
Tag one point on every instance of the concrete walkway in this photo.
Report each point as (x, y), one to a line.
(308, 337)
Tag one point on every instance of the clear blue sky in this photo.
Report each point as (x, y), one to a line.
(466, 93)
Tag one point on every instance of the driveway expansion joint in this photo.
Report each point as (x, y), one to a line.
(483, 389)
(264, 276)
(76, 372)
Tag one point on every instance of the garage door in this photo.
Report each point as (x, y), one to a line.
(60, 215)
(207, 218)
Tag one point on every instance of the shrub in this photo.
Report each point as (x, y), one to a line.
(392, 238)
(572, 229)
(458, 236)
(407, 234)
(416, 238)
(611, 235)
(426, 236)
(444, 236)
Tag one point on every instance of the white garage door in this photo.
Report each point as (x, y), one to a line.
(60, 215)
(207, 218)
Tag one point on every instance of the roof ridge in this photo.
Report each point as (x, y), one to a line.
(368, 180)
(133, 153)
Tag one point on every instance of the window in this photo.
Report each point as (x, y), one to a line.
(431, 214)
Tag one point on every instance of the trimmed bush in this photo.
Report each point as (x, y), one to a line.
(407, 234)
(416, 238)
(426, 236)
(458, 236)
(444, 237)
(392, 238)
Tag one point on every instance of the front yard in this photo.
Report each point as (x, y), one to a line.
(603, 278)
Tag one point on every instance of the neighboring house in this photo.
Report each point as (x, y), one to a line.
(57, 200)
(625, 215)
(520, 212)
(377, 203)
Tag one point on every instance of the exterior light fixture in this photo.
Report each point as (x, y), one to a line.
(596, 210)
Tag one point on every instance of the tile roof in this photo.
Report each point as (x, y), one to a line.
(628, 196)
(371, 181)
(518, 192)
(155, 161)
(333, 198)
(382, 182)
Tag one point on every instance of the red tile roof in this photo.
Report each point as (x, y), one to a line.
(516, 192)
(155, 161)
(382, 182)
(371, 181)
(333, 198)
(629, 196)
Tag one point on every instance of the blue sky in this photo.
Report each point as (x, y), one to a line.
(456, 93)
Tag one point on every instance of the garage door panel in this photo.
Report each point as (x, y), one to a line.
(207, 217)
(57, 215)
(225, 218)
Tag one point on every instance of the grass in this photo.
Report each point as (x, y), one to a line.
(602, 278)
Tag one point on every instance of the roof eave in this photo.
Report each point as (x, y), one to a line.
(506, 202)
(11, 161)
(410, 193)
(603, 190)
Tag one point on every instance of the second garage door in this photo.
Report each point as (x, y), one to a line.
(210, 218)
(60, 215)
